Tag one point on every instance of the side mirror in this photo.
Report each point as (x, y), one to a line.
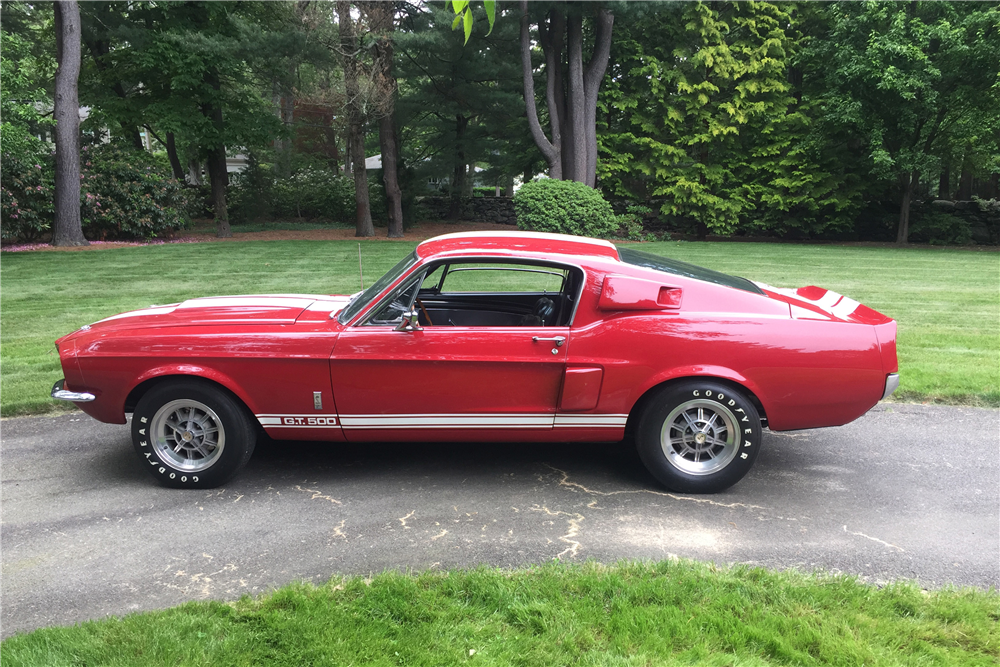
(410, 322)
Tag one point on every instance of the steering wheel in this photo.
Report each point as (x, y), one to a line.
(424, 311)
(544, 309)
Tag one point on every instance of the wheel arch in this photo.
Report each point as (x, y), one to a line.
(640, 405)
(216, 380)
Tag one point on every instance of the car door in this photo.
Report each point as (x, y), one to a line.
(447, 381)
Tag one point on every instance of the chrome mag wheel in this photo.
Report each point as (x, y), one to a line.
(700, 437)
(187, 435)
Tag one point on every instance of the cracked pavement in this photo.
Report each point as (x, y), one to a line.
(906, 492)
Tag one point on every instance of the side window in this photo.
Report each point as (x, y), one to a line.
(392, 311)
(433, 279)
(498, 293)
(503, 278)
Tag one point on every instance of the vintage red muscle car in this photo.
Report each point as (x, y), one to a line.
(490, 337)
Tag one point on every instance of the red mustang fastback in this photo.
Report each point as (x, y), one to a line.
(490, 337)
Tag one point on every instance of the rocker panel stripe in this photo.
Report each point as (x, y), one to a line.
(444, 421)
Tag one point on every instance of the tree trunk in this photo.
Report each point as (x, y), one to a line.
(67, 229)
(348, 46)
(572, 100)
(552, 38)
(287, 121)
(944, 184)
(909, 183)
(218, 176)
(592, 77)
(382, 20)
(577, 160)
(550, 151)
(217, 173)
(194, 172)
(390, 175)
(470, 180)
(175, 163)
(459, 172)
(348, 155)
(965, 182)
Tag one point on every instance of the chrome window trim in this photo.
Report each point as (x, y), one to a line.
(368, 311)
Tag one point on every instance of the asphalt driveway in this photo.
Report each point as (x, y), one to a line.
(908, 491)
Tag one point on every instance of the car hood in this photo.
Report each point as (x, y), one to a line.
(818, 303)
(267, 309)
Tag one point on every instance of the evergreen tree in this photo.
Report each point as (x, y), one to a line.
(700, 113)
(461, 106)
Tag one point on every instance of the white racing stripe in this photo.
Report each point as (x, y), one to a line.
(608, 421)
(845, 308)
(444, 421)
(487, 420)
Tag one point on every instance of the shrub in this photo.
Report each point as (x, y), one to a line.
(127, 194)
(26, 196)
(564, 207)
(630, 223)
(940, 228)
(315, 192)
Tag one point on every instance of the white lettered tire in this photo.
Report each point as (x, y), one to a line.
(699, 436)
(191, 434)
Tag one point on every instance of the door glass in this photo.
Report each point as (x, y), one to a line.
(494, 278)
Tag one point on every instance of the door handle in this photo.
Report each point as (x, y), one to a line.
(558, 340)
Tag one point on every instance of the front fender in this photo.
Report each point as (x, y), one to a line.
(193, 370)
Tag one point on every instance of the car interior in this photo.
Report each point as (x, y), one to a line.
(490, 294)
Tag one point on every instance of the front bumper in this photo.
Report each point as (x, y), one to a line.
(891, 384)
(61, 394)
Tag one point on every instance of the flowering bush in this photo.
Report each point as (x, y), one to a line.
(123, 195)
(26, 194)
(128, 195)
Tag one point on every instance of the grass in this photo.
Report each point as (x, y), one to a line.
(667, 613)
(947, 302)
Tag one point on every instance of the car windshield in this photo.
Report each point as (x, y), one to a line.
(678, 268)
(361, 300)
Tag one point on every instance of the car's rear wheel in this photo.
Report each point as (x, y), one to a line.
(190, 434)
(699, 436)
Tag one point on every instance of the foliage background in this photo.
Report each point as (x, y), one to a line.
(791, 120)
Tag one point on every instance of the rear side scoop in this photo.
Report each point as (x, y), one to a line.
(628, 293)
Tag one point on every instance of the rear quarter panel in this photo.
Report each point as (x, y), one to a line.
(806, 373)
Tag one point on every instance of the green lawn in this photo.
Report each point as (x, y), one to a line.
(947, 302)
(668, 613)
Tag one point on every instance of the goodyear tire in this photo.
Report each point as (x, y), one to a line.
(699, 437)
(189, 434)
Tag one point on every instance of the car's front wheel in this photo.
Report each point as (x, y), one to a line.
(699, 436)
(190, 434)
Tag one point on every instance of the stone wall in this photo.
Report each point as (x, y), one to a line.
(982, 216)
(480, 209)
